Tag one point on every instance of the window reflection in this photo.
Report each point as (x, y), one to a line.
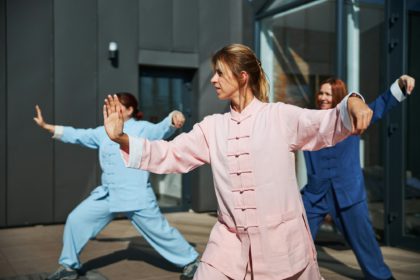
(161, 92)
(298, 51)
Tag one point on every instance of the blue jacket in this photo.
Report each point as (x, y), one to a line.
(128, 189)
(339, 166)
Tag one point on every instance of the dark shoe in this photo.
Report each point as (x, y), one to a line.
(190, 269)
(63, 274)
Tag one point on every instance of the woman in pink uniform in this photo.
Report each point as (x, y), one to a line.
(261, 232)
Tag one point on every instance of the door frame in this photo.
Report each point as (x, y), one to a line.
(395, 130)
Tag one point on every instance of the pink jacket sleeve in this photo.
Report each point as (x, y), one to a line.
(184, 153)
(315, 129)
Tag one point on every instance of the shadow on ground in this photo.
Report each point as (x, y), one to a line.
(335, 241)
(91, 275)
(137, 250)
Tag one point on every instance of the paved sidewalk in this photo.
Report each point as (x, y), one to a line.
(120, 253)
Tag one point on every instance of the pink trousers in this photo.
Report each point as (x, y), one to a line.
(208, 272)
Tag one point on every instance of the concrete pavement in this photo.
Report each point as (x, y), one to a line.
(119, 252)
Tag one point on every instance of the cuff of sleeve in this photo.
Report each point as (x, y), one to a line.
(58, 132)
(344, 113)
(397, 92)
(133, 159)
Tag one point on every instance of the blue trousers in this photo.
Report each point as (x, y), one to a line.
(354, 223)
(91, 216)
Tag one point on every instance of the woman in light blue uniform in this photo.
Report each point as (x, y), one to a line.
(123, 190)
(335, 180)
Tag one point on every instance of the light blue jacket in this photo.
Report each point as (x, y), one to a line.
(128, 189)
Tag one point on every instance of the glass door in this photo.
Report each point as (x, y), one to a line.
(297, 50)
(403, 163)
(411, 203)
(161, 91)
(367, 27)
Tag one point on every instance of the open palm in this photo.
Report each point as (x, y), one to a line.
(39, 119)
(113, 119)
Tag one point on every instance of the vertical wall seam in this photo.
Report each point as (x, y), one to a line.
(53, 177)
(6, 177)
(97, 73)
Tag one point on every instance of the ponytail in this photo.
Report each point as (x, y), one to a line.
(262, 86)
(241, 58)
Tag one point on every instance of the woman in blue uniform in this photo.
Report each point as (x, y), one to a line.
(123, 190)
(335, 180)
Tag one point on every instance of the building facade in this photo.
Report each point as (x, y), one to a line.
(67, 55)
(368, 44)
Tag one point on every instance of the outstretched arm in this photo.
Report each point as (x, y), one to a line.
(392, 97)
(315, 129)
(180, 155)
(361, 114)
(166, 127)
(85, 137)
(186, 152)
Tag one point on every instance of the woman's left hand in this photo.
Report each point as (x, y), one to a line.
(178, 119)
(406, 83)
(360, 114)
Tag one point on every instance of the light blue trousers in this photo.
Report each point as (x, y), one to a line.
(91, 216)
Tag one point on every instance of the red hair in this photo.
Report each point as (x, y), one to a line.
(338, 89)
(128, 100)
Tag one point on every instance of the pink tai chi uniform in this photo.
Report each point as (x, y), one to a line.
(261, 228)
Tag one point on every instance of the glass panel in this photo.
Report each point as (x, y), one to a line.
(297, 52)
(161, 92)
(370, 75)
(277, 4)
(412, 185)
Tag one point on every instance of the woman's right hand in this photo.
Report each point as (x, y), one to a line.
(39, 120)
(114, 122)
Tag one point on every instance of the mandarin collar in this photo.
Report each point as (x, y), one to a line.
(250, 109)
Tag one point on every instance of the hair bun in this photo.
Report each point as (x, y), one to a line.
(138, 115)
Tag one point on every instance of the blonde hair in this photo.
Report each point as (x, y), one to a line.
(241, 58)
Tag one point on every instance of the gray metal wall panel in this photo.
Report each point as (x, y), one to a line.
(124, 31)
(168, 59)
(75, 70)
(248, 24)
(83, 72)
(3, 110)
(232, 22)
(235, 10)
(185, 26)
(155, 25)
(215, 34)
(214, 27)
(29, 73)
